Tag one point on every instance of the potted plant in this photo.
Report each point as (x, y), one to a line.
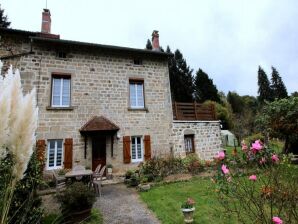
(76, 202)
(188, 209)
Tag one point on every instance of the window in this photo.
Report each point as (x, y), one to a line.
(61, 91)
(136, 94)
(137, 61)
(189, 144)
(55, 154)
(137, 151)
(61, 54)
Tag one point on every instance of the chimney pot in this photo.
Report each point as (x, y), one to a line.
(46, 21)
(155, 41)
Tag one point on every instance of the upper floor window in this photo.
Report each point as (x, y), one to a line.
(137, 151)
(55, 154)
(61, 91)
(136, 93)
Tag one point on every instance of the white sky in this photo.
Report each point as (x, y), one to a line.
(228, 39)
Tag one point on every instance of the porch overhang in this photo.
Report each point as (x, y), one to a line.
(98, 125)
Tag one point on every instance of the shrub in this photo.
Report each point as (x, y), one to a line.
(252, 138)
(193, 164)
(75, 198)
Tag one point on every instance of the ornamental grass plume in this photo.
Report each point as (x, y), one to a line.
(18, 123)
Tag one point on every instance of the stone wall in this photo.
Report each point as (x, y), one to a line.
(207, 138)
(99, 87)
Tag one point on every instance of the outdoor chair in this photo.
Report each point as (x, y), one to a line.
(58, 179)
(97, 187)
(96, 172)
(99, 175)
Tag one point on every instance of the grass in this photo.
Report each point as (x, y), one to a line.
(165, 201)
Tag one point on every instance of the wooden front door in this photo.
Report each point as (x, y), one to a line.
(98, 151)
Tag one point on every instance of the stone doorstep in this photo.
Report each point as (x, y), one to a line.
(115, 180)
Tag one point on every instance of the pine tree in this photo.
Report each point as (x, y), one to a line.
(181, 79)
(4, 23)
(265, 92)
(149, 45)
(278, 87)
(204, 88)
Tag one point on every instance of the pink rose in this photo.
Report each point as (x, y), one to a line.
(276, 220)
(224, 169)
(253, 177)
(220, 155)
(275, 158)
(256, 146)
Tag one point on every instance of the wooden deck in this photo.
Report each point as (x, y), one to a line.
(193, 111)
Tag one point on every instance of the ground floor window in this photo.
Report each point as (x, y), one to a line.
(137, 152)
(189, 144)
(55, 154)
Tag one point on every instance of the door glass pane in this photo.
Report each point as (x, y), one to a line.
(51, 153)
(133, 148)
(139, 145)
(59, 153)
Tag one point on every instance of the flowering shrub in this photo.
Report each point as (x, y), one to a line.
(189, 203)
(263, 191)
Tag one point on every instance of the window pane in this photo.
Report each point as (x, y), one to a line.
(56, 100)
(133, 148)
(139, 145)
(65, 101)
(140, 97)
(56, 87)
(66, 86)
(132, 91)
(51, 153)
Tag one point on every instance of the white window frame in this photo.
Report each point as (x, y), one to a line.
(55, 155)
(136, 83)
(61, 91)
(142, 149)
(189, 143)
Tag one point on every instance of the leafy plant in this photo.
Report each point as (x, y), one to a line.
(76, 197)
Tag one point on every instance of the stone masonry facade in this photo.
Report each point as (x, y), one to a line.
(207, 140)
(100, 87)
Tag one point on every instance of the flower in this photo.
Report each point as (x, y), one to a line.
(188, 204)
(276, 220)
(220, 155)
(253, 177)
(275, 158)
(256, 146)
(262, 161)
(243, 146)
(224, 169)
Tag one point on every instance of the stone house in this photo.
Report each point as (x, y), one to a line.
(103, 104)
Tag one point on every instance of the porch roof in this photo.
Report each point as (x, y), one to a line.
(96, 124)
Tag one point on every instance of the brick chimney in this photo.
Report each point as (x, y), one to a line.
(46, 21)
(155, 41)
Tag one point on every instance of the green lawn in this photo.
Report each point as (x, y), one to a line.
(165, 201)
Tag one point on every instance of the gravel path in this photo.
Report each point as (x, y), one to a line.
(120, 204)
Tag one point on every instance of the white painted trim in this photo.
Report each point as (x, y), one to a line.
(142, 149)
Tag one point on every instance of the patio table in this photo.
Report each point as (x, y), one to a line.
(79, 173)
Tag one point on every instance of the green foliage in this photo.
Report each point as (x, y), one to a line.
(181, 79)
(223, 113)
(76, 197)
(193, 164)
(236, 101)
(278, 87)
(149, 45)
(252, 138)
(280, 119)
(26, 204)
(204, 88)
(265, 92)
(4, 23)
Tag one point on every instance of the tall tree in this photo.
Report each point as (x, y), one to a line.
(204, 88)
(149, 45)
(181, 79)
(277, 85)
(265, 92)
(4, 23)
(236, 102)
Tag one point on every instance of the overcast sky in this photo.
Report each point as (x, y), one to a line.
(228, 39)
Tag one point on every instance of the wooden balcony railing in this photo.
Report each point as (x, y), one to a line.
(193, 111)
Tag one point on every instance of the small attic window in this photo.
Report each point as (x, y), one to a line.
(137, 61)
(61, 54)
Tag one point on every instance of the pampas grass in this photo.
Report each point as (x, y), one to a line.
(18, 123)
